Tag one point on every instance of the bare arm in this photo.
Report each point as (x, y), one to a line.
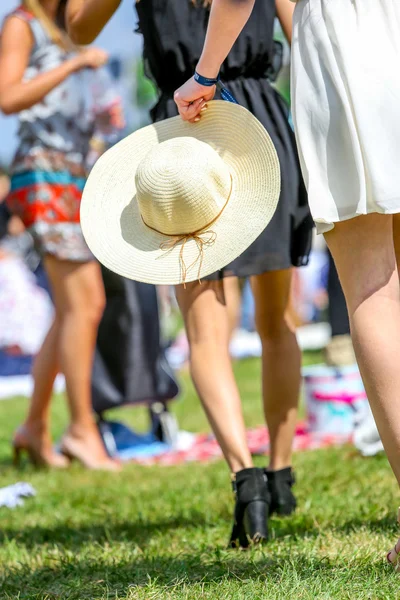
(227, 19)
(15, 48)
(284, 11)
(86, 18)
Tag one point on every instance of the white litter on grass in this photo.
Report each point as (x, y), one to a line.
(12, 495)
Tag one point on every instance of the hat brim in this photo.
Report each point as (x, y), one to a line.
(110, 217)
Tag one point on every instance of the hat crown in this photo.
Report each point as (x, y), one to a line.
(182, 185)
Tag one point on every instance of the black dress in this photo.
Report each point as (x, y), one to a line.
(173, 33)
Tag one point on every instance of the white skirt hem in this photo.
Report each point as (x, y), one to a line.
(323, 226)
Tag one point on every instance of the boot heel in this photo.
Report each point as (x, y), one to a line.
(251, 508)
(255, 521)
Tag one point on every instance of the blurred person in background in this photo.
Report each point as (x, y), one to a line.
(37, 64)
(25, 309)
(174, 32)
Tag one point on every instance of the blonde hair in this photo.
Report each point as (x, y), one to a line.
(54, 32)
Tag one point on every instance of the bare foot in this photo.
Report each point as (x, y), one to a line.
(36, 442)
(83, 443)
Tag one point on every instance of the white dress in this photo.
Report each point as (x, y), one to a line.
(346, 106)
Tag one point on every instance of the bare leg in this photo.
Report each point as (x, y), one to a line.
(281, 362)
(45, 369)
(35, 433)
(364, 253)
(208, 329)
(79, 300)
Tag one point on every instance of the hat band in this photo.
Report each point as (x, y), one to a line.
(178, 238)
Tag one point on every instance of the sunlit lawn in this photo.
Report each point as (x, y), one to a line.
(161, 532)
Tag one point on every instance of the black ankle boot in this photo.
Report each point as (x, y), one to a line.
(280, 483)
(251, 509)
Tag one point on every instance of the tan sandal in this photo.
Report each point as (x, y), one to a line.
(39, 454)
(74, 450)
(393, 557)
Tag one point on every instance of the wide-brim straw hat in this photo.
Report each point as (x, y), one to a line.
(176, 201)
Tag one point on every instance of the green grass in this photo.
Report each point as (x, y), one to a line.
(161, 532)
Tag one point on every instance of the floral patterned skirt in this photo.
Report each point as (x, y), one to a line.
(48, 203)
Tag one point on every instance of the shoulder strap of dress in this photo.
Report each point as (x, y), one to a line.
(39, 34)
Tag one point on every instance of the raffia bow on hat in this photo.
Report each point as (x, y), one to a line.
(176, 201)
(201, 242)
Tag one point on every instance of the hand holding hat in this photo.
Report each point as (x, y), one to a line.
(191, 98)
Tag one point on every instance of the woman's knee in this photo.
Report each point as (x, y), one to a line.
(87, 312)
(273, 326)
(96, 310)
(87, 305)
(272, 299)
(94, 304)
(78, 289)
